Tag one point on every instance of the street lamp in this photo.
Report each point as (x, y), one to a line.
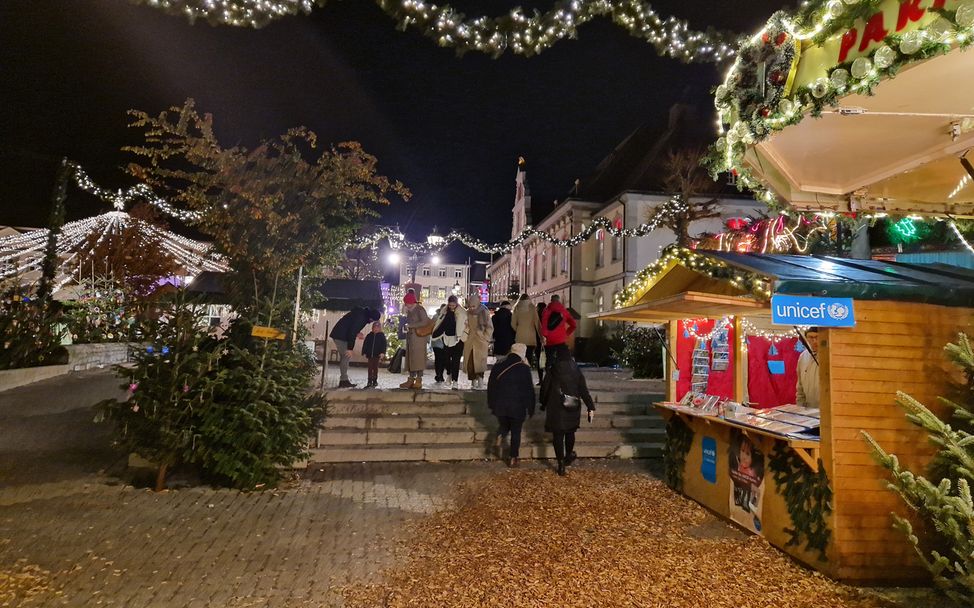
(436, 260)
(394, 258)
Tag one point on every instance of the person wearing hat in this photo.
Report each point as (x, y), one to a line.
(510, 397)
(417, 338)
(478, 334)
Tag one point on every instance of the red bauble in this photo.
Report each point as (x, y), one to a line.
(781, 39)
(766, 38)
(777, 77)
(734, 172)
(765, 111)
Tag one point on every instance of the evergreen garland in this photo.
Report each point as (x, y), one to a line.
(808, 497)
(679, 438)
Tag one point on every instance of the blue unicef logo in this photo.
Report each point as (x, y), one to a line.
(812, 311)
(838, 311)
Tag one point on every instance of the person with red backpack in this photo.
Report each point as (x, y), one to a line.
(557, 324)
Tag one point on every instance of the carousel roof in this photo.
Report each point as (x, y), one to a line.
(22, 254)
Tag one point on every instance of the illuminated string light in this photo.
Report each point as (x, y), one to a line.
(515, 32)
(960, 237)
(757, 285)
(741, 126)
(23, 253)
(749, 329)
(720, 326)
(396, 240)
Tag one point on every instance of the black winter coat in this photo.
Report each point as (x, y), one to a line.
(349, 325)
(374, 345)
(503, 332)
(563, 378)
(510, 389)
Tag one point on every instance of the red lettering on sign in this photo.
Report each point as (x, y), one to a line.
(848, 41)
(909, 11)
(938, 3)
(873, 32)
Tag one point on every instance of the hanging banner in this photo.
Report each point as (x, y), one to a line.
(746, 467)
(810, 310)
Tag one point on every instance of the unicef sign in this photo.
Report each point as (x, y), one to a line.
(809, 310)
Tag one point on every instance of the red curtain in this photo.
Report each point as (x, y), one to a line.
(765, 388)
(719, 383)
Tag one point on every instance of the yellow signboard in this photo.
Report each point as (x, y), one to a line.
(890, 17)
(271, 333)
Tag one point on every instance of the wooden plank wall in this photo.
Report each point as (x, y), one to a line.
(894, 346)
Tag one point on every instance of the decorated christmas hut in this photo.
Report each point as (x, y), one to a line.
(737, 442)
(855, 106)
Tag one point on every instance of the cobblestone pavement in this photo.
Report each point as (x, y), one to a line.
(112, 545)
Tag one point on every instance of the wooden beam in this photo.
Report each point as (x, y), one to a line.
(740, 361)
(671, 340)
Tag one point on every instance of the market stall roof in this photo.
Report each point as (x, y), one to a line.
(680, 291)
(346, 294)
(889, 86)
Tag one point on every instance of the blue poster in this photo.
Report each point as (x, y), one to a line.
(808, 310)
(708, 466)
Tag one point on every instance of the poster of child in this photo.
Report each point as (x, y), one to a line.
(746, 463)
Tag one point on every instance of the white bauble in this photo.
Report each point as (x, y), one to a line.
(884, 57)
(911, 42)
(861, 67)
(820, 88)
(965, 14)
(839, 78)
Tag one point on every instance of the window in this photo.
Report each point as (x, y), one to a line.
(426, 293)
(441, 293)
(544, 267)
(553, 260)
(426, 271)
(458, 273)
(600, 249)
(537, 262)
(617, 245)
(601, 306)
(442, 272)
(564, 260)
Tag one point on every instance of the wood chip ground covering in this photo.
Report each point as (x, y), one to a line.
(595, 538)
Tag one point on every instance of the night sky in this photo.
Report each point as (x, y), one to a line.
(450, 128)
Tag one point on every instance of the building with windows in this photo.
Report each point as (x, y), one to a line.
(435, 280)
(625, 188)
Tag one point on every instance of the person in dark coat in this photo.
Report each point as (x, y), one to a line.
(373, 349)
(538, 364)
(503, 332)
(510, 396)
(346, 331)
(562, 393)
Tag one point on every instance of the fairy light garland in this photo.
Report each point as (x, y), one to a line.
(396, 240)
(960, 237)
(120, 199)
(757, 285)
(23, 253)
(720, 326)
(742, 126)
(749, 329)
(517, 32)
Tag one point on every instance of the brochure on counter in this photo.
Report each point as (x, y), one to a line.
(788, 420)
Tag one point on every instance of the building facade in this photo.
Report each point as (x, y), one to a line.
(588, 277)
(435, 281)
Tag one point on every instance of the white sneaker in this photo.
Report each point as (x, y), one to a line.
(455, 385)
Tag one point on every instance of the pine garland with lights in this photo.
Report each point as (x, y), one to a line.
(517, 32)
(747, 118)
(943, 498)
(757, 285)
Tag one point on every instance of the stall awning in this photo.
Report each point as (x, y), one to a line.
(346, 294)
(681, 292)
(860, 279)
(684, 305)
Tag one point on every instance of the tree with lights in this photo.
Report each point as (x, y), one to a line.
(943, 498)
(687, 180)
(269, 209)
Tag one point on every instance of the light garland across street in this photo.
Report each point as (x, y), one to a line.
(517, 32)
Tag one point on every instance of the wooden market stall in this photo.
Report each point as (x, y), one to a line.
(903, 316)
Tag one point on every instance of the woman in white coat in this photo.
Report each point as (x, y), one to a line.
(479, 332)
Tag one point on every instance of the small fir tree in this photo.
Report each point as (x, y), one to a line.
(944, 499)
(30, 333)
(642, 352)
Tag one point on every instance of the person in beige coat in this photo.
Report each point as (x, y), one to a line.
(416, 319)
(478, 334)
(527, 326)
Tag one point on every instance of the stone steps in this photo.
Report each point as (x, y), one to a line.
(446, 452)
(402, 425)
(463, 421)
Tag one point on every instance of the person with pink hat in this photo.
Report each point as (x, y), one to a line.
(418, 329)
